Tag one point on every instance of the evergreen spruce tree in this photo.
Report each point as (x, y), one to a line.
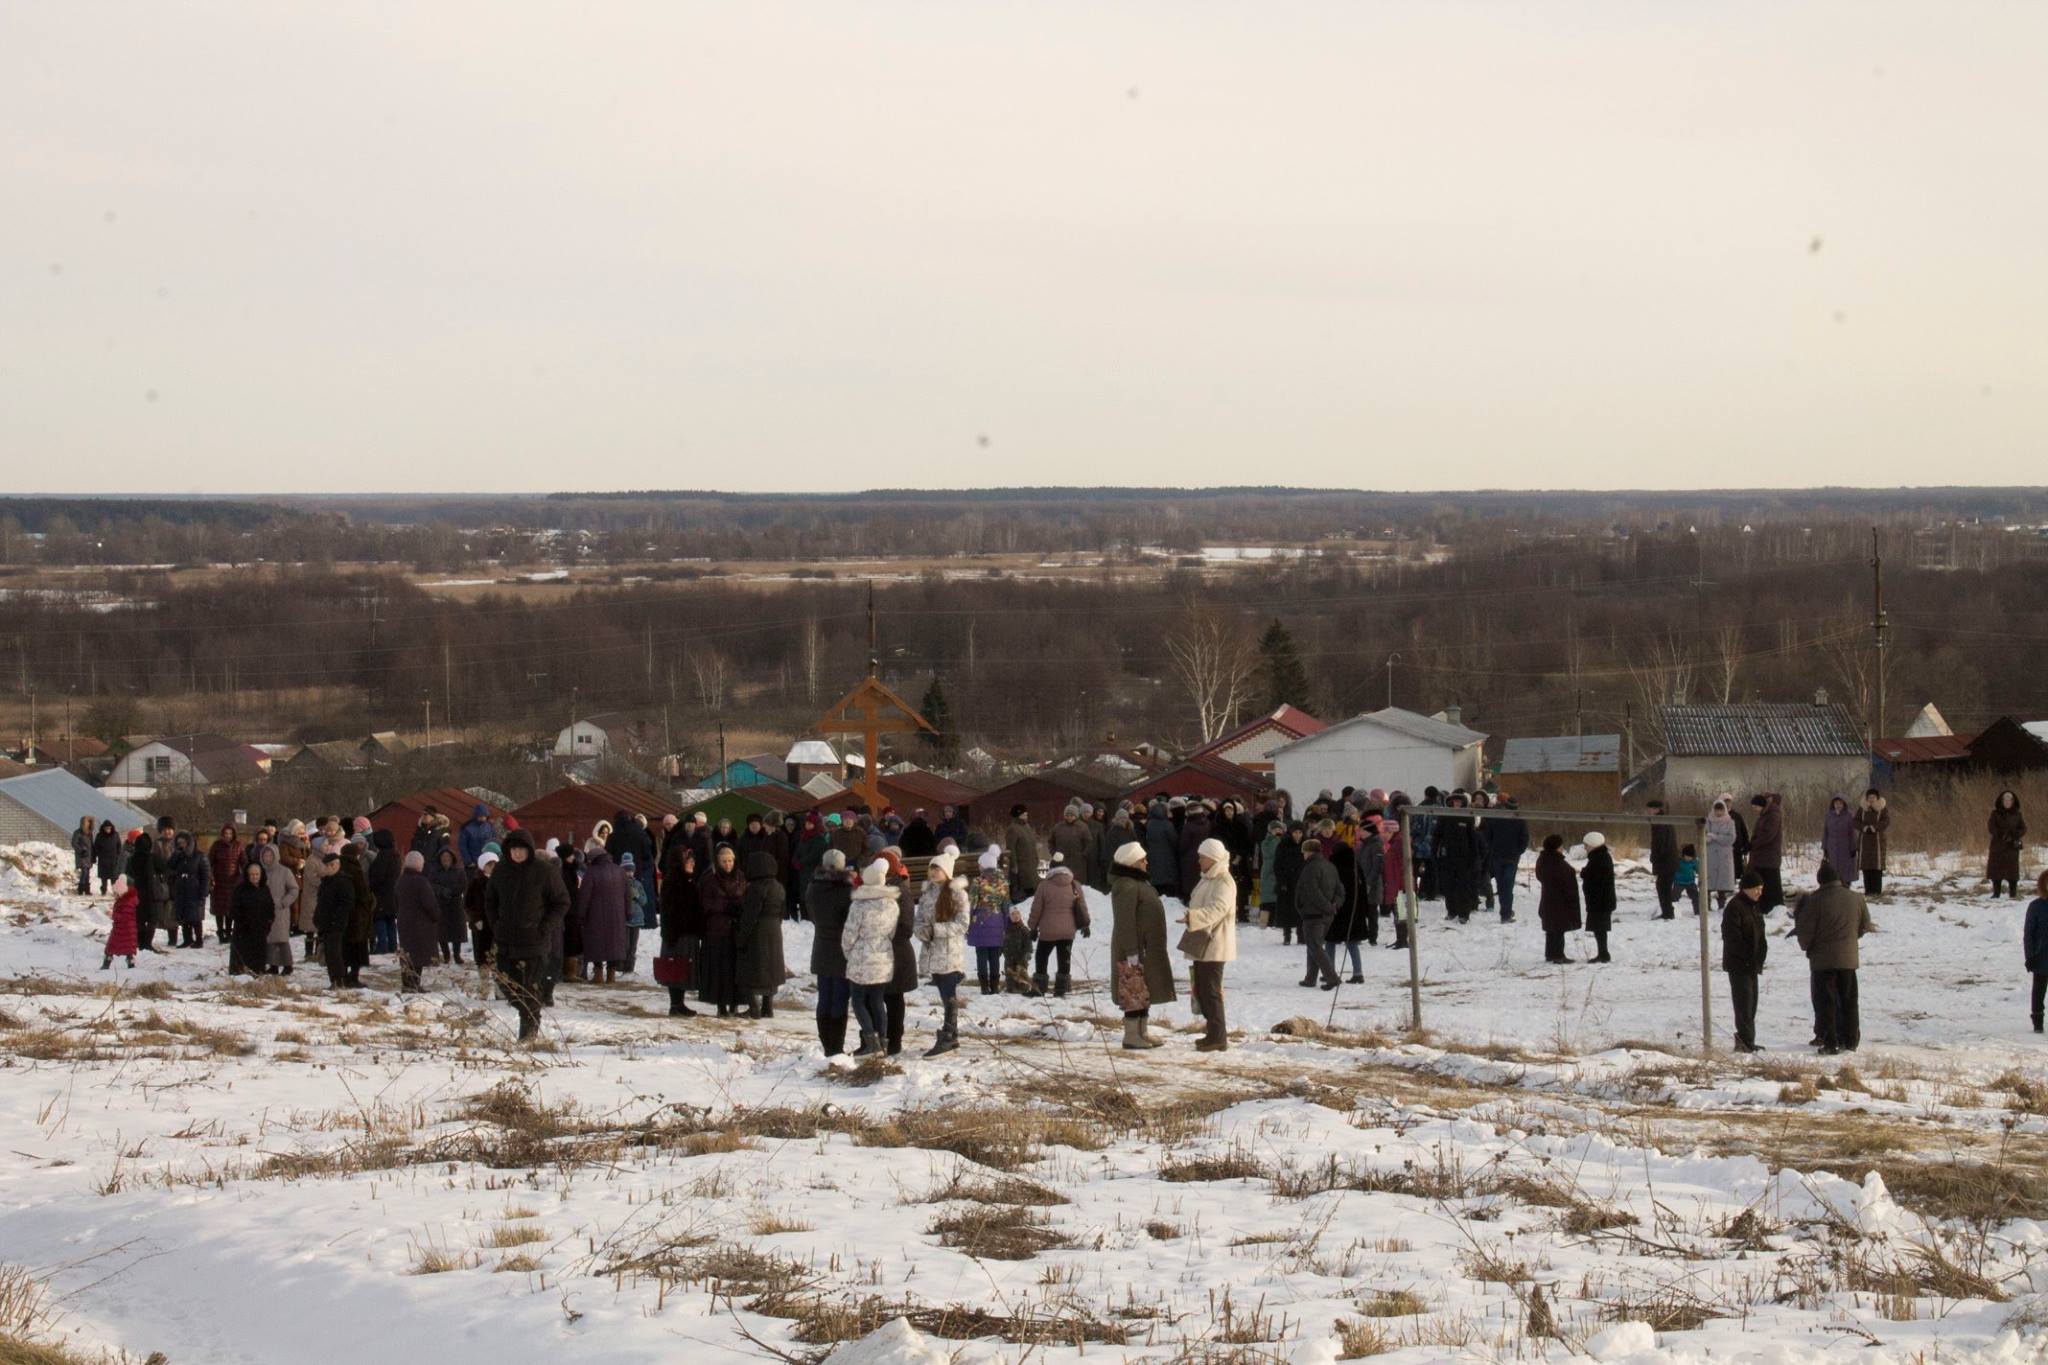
(1280, 668)
(942, 743)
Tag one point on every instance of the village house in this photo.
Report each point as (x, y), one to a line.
(1392, 748)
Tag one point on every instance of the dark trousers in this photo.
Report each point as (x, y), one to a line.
(1774, 888)
(988, 967)
(892, 1006)
(834, 996)
(1835, 1020)
(2040, 993)
(1553, 945)
(85, 879)
(1504, 889)
(334, 952)
(1313, 933)
(869, 1011)
(1667, 899)
(2012, 888)
(1064, 951)
(522, 987)
(1207, 980)
(1742, 993)
(1873, 881)
(384, 934)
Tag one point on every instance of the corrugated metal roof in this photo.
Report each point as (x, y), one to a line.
(62, 799)
(1400, 721)
(1925, 748)
(811, 751)
(1562, 754)
(1760, 729)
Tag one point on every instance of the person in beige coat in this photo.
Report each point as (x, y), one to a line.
(1212, 910)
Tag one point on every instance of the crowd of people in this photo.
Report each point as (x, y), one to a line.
(896, 902)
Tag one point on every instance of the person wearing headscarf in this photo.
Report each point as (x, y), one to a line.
(1838, 837)
(2008, 834)
(826, 903)
(757, 936)
(284, 895)
(418, 912)
(250, 910)
(601, 909)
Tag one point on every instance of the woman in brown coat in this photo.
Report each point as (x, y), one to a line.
(1559, 908)
(2008, 829)
(1873, 827)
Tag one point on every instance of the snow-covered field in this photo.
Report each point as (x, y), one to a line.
(266, 1171)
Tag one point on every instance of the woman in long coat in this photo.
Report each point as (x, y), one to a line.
(757, 936)
(1873, 829)
(1838, 838)
(1138, 934)
(1721, 836)
(873, 914)
(250, 911)
(2008, 830)
(418, 912)
(601, 907)
(1558, 910)
(107, 851)
(1347, 926)
(225, 861)
(361, 916)
(448, 879)
(1287, 860)
(1597, 876)
(682, 920)
(720, 892)
(284, 896)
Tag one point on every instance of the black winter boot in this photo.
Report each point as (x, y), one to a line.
(1040, 983)
(949, 1037)
(1061, 983)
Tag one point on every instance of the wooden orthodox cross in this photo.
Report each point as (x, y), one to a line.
(872, 710)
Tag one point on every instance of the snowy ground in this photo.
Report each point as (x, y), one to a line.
(240, 1172)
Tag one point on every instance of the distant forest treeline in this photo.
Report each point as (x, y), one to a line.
(450, 533)
(1530, 636)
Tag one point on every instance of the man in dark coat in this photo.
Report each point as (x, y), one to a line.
(919, 840)
(470, 840)
(1193, 830)
(1022, 845)
(1744, 946)
(952, 826)
(759, 936)
(524, 904)
(1558, 910)
(334, 908)
(1597, 877)
(1767, 846)
(385, 865)
(1318, 895)
(826, 902)
(1162, 850)
(1072, 839)
(1830, 921)
(1664, 863)
(1507, 840)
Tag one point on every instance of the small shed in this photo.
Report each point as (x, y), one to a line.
(755, 771)
(1202, 775)
(1806, 751)
(47, 805)
(809, 758)
(770, 800)
(915, 789)
(1045, 796)
(2005, 746)
(402, 816)
(1392, 748)
(1563, 772)
(575, 810)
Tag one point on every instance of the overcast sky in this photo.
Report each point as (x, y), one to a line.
(250, 246)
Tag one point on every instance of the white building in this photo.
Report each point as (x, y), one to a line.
(1392, 749)
(608, 732)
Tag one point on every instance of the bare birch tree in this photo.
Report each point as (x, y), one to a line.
(1726, 660)
(1215, 659)
(711, 668)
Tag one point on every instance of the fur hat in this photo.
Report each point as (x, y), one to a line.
(1130, 855)
(833, 861)
(875, 873)
(1595, 840)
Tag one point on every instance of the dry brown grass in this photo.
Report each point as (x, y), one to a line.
(1234, 1164)
(1001, 1139)
(765, 1223)
(505, 1236)
(998, 1232)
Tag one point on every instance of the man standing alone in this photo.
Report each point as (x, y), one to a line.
(1829, 923)
(1744, 945)
(1664, 863)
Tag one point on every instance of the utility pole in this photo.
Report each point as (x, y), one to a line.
(70, 753)
(1579, 711)
(31, 725)
(1628, 740)
(874, 651)
(1877, 629)
(1392, 659)
(724, 777)
(447, 685)
(428, 700)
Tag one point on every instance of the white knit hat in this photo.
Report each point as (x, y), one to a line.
(942, 861)
(991, 858)
(1213, 850)
(875, 873)
(1130, 855)
(1595, 840)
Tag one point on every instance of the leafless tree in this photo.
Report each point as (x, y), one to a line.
(711, 667)
(808, 658)
(1214, 658)
(1725, 651)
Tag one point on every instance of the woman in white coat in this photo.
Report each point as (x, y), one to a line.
(1211, 938)
(868, 942)
(284, 896)
(941, 926)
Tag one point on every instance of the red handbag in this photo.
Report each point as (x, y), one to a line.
(671, 971)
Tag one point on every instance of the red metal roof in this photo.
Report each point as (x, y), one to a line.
(1290, 720)
(907, 791)
(1928, 749)
(402, 815)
